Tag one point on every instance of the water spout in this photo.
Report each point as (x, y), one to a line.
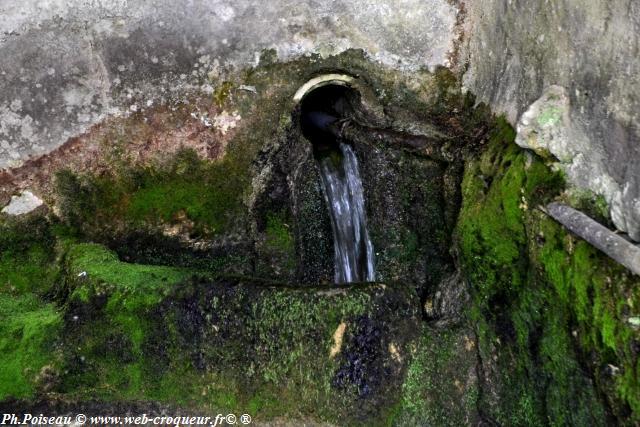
(323, 112)
(342, 187)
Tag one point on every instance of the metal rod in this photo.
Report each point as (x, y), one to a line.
(616, 247)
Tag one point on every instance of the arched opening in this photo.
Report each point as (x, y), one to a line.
(323, 111)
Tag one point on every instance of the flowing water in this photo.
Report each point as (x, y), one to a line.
(354, 261)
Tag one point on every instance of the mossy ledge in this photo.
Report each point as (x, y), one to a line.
(139, 333)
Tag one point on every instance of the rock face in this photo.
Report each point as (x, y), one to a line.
(70, 64)
(222, 243)
(548, 308)
(148, 334)
(353, 344)
(543, 128)
(74, 63)
(22, 204)
(517, 50)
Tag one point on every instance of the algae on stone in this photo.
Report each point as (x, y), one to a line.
(549, 309)
(27, 255)
(151, 333)
(29, 341)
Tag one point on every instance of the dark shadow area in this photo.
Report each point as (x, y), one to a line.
(321, 113)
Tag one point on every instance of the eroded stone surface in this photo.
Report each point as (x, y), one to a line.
(547, 128)
(74, 63)
(69, 64)
(517, 49)
(543, 128)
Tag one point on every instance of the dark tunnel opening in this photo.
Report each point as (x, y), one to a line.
(321, 113)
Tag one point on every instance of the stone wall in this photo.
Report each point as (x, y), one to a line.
(68, 64)
(517, 50)
(71, 63)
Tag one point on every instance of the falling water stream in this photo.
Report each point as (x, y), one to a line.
(354, 261)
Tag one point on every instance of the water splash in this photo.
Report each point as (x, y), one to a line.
(354, 258)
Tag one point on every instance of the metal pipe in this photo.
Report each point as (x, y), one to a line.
(616, 247)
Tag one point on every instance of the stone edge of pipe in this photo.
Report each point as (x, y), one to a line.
(322, 80)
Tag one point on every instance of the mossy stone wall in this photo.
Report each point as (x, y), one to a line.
(551, 312)
(138, 332)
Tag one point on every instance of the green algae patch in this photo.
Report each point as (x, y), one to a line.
(28, 255)
(278, 231)
(600, 296)
(549, 310)
(205, 194)
(113, 305)
(276, 252)
(138, 332)
(29, 335)
(179, 212)
(94, 267)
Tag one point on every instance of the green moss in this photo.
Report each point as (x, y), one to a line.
(98, 269)
(595, 304)
(411, 249)
(440, 387)
(278, 230)
(129, 293)
(27, 255)
(276, 255)
(206, 193)
(300, 382)
(560, 363)
(209, 194)
(28, 334)
(148, 333)
(490, 221)
(591, 204)
(124, 297)
(543, 300)
(30, 270)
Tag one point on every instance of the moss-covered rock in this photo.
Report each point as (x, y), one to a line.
(211, 290)
(153, 333)
(154, 202)
(441, 387)
(550, 311)
(29, 357)
(206, 195)
(404, 198)
(28, 261)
